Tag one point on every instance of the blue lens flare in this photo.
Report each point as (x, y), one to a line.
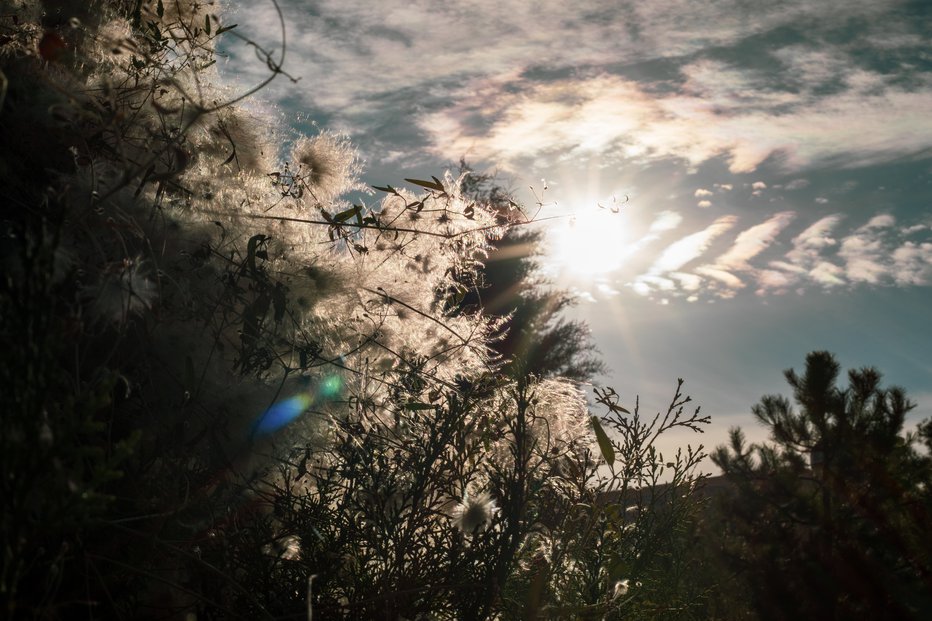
(284, 412)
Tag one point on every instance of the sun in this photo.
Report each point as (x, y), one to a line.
(589, 243)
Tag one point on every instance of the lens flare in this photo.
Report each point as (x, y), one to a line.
(284, 412)
(330, 387)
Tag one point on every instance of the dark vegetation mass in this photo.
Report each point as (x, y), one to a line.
(228, 392)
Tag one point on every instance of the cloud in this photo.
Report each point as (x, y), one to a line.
(497, 81)
(702, 192)
(751, 242)
(875, 253)
(912, 264)
(680, 253)
(609, 114)
(747, 245)
(797, 184)
(827, 274)
(774, 281)
(704, 204)
(665, 221)
(808, 245)
(607, 290)
(688, 282)
(727, 278)
(865, 252)
(758, 185)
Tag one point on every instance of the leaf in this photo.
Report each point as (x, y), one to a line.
(605, 445)
(160, 10)
(386, 188)
(343, 216)
(223, 29)
(430, 185)
(207, 24)
(251, 251)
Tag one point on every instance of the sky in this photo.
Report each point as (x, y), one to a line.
(729, 184)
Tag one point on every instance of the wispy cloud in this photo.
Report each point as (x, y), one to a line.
(875, 253)
(610, 114)
(753, 241)
(508, 81)
(864, 251)
(690, 247)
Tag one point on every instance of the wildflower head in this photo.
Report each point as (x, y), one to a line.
(474, 514)
(327, 166)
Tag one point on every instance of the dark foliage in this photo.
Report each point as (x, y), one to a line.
(830, 519)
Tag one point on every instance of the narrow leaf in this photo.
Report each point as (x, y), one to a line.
(430, 185)
(343, 216)
(605, 445)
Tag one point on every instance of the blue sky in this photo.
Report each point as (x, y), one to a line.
(776, 158)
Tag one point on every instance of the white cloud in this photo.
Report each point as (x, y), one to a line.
(725, 277)
(702, 192)
(690, 247)
(461, 73)
(607, 114)
(912, 264)
(808, 245)
(725, 187)
(758, 185)
(774, 281)
(866, 253)
(704, 204)
(665, 221)
(688, 282)
(827, 274)
(753, 241)
(797, 184)
(881, 221)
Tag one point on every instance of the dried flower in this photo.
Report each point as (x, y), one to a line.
(327, 166)
(474, 514)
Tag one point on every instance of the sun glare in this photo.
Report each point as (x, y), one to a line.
(590, 243)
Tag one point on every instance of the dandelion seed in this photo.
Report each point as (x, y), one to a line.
(473, 514)
(621, 589)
